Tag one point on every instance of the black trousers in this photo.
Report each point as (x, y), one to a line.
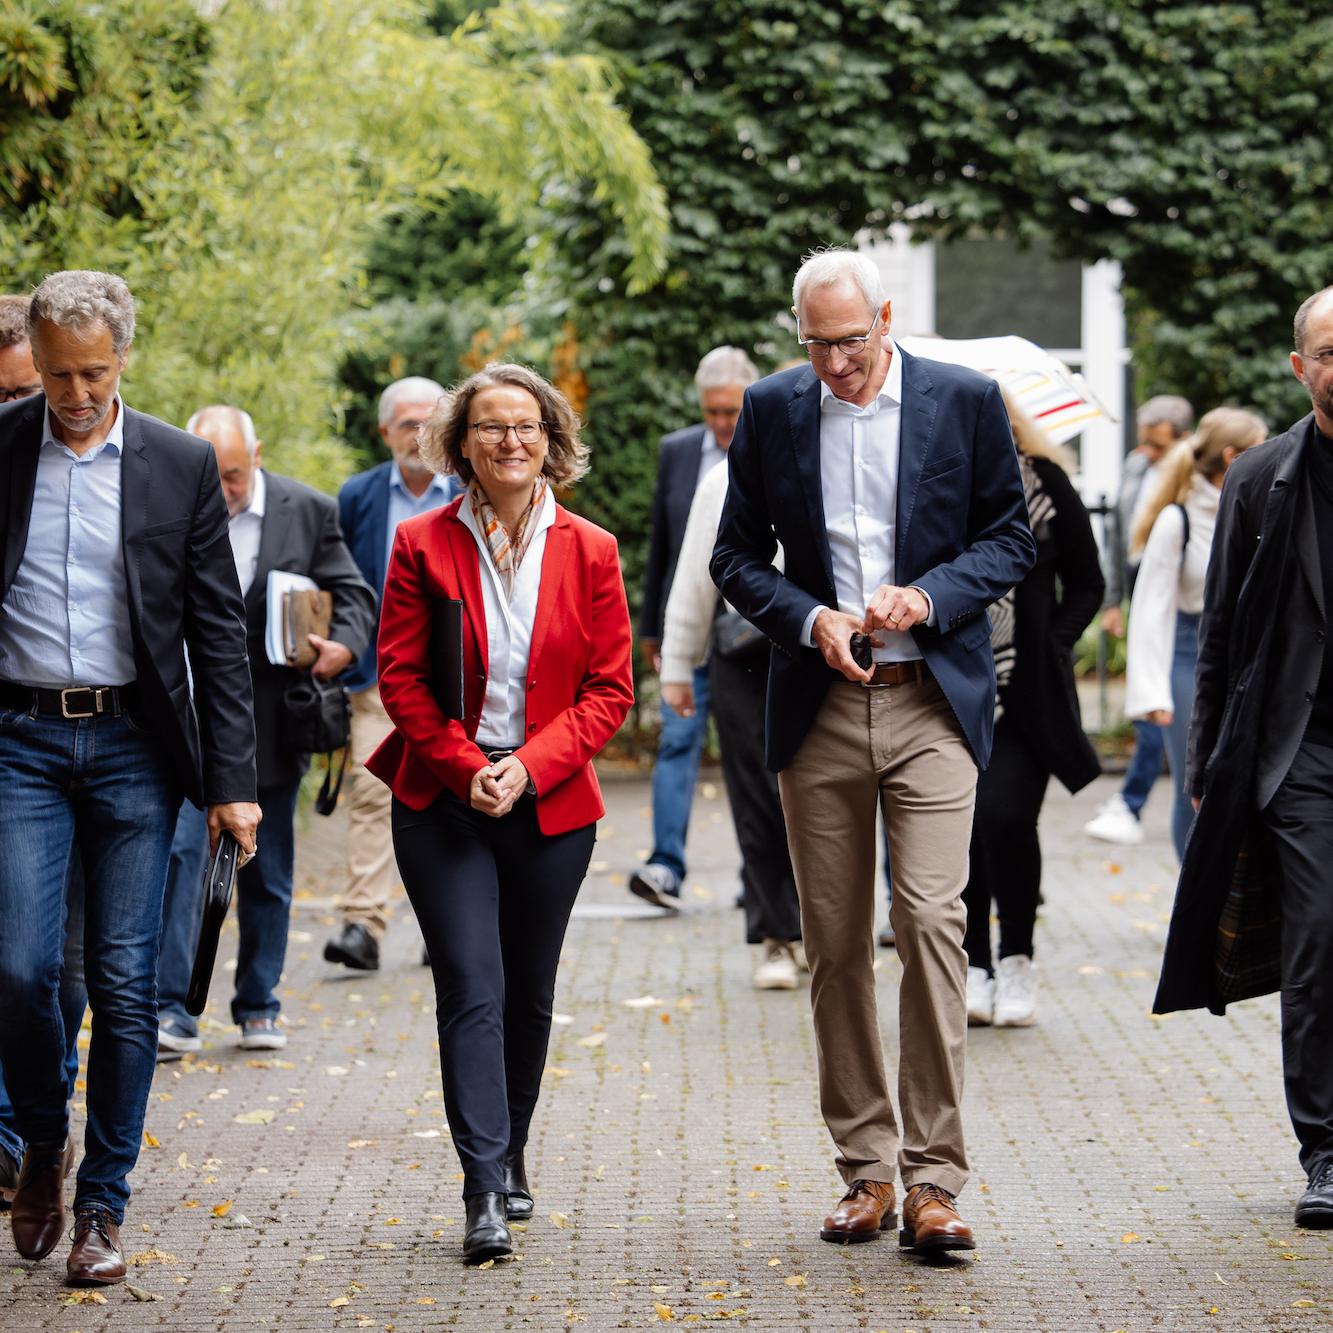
(1300, 816)
(493, 897)
(1005, 850)
(772, 911)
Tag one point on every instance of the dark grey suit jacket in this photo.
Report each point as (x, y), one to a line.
(181, 590)
(300, 535)
(677, 479)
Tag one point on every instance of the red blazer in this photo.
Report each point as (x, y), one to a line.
(580, 680)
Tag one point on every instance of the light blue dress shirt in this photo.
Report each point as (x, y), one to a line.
(403, 504)
(66, 619)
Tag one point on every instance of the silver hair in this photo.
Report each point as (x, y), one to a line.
(14, 320)
(413, 389)
(1169, 409)
(234, 417)
(1302, 322)
(723, 367)
(834, 265)
(76, 298)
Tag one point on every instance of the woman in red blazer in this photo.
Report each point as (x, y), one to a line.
(494, 816)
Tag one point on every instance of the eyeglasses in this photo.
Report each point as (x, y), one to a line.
(821, 347)
(1324, 356)
(494, 432)
(23, 391)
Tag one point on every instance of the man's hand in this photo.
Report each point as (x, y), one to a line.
(1159, 717)
(652, 650)
(240, 818)
(679, 696)
(333, 657)
(832, 634)
(895, 608)
(1113, 621)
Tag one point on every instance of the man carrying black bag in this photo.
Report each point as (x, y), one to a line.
(276, 525)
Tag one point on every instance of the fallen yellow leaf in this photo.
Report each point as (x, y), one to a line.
(262, 1117)
(559, 1219)
(664, 1312)
(223, 1208)
(1128, 1238)
(339, 1301)
(795, 1280)
(150, 1140)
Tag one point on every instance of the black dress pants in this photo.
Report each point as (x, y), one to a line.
(1005, 849)
(493, 897)
(772, 910)
(1300, 817)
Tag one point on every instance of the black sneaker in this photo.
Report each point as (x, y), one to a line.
(1315, 1207)
(657, 885)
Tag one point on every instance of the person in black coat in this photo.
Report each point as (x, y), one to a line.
(1254, 905)
(275, 524)
(1038, 731)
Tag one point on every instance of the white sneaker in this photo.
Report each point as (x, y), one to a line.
(1015, 992)
(1115, 822)
(777, 970)
(980, 997)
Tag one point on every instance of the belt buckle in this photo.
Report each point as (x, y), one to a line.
(96, 696)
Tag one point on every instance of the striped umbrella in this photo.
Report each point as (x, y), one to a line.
(1055, 397)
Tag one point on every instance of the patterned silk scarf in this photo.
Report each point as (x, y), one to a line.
(506, 553)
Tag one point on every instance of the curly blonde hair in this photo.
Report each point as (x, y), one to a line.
(443, 435)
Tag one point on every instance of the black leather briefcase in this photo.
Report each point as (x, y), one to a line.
(219, 886)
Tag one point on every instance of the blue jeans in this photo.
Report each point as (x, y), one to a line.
(73, 1001)
(182, 906)
(264, 906)
(674, 774)
(1145, 765)
(106, 784)
(1183, 662)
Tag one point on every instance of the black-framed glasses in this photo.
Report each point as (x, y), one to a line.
(23, 391)
(1324, 356)
(821, 347)
(494, 432)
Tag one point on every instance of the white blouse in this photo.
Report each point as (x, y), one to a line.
(508, 632)
(1171, 578)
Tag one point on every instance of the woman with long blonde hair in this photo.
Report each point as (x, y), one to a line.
(1175, 534)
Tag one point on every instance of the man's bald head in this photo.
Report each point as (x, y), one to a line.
(231, 432)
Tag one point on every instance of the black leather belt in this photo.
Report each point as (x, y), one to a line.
(73, 703)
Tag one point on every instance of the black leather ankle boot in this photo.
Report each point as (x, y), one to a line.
(520, 1205)
(487, 1236)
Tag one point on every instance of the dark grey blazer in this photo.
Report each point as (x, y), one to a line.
(180, 586)
(677, 479)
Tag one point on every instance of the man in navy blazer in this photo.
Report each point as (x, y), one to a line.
(370, 507)
(892, 485)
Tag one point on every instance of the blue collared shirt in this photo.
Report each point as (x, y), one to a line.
(66, 616)
(403, 504)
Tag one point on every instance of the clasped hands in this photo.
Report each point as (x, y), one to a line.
(495, 788)
(890, 608)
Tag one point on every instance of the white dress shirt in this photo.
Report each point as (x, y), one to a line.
(858, 468)
(66, 616)
(246, 528)
(503, 722)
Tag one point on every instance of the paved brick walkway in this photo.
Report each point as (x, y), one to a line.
(1129, 1173)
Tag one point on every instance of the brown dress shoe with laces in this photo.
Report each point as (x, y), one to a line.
(95, 1260)
(862, 1213)
(38, 1207)
(931, 1222)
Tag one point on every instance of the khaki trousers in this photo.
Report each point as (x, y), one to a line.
(370, 866)
(898, 747)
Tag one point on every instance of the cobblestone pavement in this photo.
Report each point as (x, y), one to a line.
(1129, 1173)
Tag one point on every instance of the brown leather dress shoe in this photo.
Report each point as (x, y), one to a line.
(862, 1213)
(37, 1213)
(95, 1260)
(931, 1222)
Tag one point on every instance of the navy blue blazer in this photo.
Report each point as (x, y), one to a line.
(677, 479)
(363, 512)
(962, 536)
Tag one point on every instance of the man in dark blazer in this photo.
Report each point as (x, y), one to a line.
(275, 524)
(892, 485)
(370, 507)
(1260, 761)
(115, 560)
(685, 457)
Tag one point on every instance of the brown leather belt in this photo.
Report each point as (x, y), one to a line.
(73, 704)
(898, 673)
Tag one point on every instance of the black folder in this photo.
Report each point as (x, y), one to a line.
(219, 885)
(446, 655)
